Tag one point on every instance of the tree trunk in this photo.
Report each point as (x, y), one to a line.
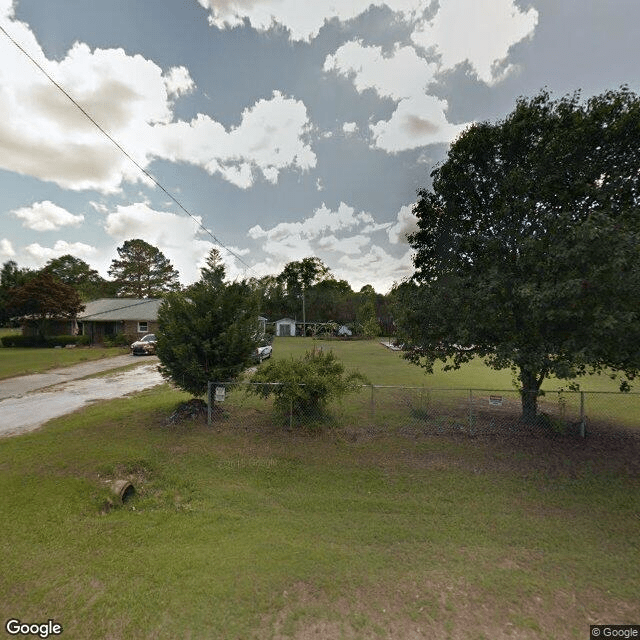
(529, 392)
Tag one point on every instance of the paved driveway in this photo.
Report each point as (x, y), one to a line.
(27, 402)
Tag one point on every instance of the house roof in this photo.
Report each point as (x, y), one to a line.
(110, 309)
(287, 320)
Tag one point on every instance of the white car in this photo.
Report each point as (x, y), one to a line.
(264, 352)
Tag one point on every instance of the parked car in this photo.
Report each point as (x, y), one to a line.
(263, 352)
(146, 346)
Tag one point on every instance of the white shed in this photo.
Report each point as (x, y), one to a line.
(285, 327)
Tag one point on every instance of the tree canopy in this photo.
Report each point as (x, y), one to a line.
(142, 271)
(44, 298)
(209, 334)
(11, 276)
(77, 273)
(527, 251)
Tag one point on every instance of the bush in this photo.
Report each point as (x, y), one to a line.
(63, 341)
(305, 386)
(23, 341)
(38, 342)
(119, 340)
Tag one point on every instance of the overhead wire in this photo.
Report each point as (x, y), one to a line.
(124, 152)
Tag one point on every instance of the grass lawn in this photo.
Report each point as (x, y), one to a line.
(603, 402)
(385, 367)
(16, 362)
(239, 533)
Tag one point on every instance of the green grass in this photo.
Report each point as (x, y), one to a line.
(16, 362)
(385, 367)
(382, 366)
(237, 532)
(240, 533)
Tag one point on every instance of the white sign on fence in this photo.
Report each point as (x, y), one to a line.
(496, 401)
(220, 394)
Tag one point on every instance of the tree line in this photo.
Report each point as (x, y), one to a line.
(304, 290)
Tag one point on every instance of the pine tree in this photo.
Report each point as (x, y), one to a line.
(143, 271)
(213, 272)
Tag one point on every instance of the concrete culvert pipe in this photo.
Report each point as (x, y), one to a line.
(123, 489)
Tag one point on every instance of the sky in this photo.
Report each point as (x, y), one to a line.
(271, 129)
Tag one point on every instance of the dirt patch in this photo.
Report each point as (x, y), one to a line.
(191, 410)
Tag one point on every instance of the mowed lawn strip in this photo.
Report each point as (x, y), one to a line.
(17, 361)
(240, 533)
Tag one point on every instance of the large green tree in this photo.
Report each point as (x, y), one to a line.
(77, 273)
(11, 276)
(44, 298)
(331, 299)
(142, 271)
(211, 333)
(528, 245)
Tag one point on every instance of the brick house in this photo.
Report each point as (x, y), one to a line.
(107, 317)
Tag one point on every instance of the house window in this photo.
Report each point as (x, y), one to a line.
(143, 327)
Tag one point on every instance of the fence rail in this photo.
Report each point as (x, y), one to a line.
(423, 410)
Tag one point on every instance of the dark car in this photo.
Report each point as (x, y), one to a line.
(146, 346)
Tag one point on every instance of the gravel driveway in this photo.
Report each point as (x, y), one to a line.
(27, 402)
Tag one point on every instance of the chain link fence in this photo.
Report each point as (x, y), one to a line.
(422, 411)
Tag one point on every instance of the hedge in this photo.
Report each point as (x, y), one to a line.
(37, 341)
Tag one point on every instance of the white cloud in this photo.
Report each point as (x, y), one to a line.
(269, 138)
(40, 254)
(178, 81)
(399, 75)
(44, 135)
(403, 76)
(478, 31)
(7, 252)
(323, 220)
(376, 267)
(46, 216)
(406, 223)
(302, 19)
(416, 122)
(99, 207)
(352, 245)
(349, 127)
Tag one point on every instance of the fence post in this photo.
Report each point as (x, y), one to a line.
(290, 415)
(582, 416)
(470, 409)
(373, 409)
